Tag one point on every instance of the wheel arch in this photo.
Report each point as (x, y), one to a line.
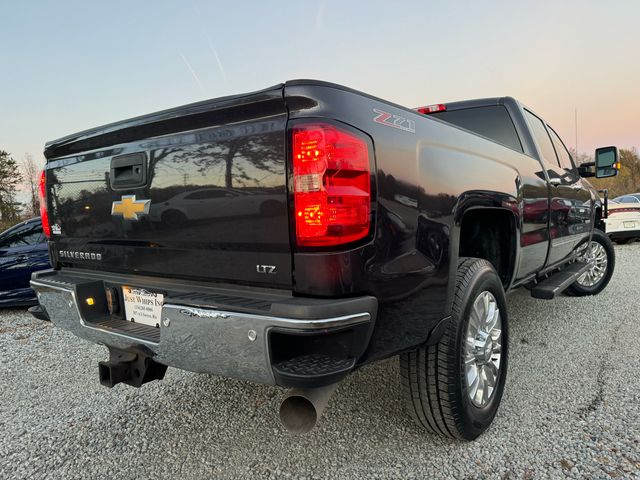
(491, 232)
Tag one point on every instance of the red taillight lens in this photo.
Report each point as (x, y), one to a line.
(42, 193)
(615, 210)
(331, 185)
(438, 107)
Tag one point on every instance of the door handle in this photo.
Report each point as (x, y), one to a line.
(128, 171)
(555, 181)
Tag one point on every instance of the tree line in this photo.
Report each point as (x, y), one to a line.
(16, 177)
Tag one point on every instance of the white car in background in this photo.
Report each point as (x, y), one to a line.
(623, 222)
(220, 202)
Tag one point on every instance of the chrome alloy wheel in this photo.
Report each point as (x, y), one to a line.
(596, 255)
(483, 349)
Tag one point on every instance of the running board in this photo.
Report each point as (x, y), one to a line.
(548, 288)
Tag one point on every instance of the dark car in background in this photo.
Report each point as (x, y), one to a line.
(23, 250)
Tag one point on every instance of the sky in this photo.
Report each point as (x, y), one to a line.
(67, 66)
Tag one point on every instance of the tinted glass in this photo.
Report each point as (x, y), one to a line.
(564, 158)
(33, 237)
(491, 122)
(542, 138)
(23, 236)
(203, 194)
(605, 159)
(627, 199)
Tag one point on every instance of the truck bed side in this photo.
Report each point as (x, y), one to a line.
(429, 176)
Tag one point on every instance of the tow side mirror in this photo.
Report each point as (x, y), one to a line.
(607, 163)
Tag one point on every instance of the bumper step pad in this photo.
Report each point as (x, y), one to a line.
(125, 327)
(313, 368)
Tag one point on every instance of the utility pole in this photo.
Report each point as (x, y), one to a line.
(576, 124)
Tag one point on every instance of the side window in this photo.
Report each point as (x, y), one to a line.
(192, 196)
(493, 122)
(27, 235)
(33, 236)
(563, 154)
(12, 239)
(204, 194)
(542, 138)
(216, 194)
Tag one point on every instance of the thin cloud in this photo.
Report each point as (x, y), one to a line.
(193, 73)
(199, 17)
(217, 57)
(320, 16)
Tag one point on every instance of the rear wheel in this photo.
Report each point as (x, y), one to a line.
(454, 388)
(601, 255)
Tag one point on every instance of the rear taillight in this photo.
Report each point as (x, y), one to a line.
(42, 193)
(331, 185)
(615, 210)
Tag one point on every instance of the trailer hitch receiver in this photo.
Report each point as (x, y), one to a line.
(132, 368)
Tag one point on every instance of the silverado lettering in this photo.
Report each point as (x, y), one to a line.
(79, 255)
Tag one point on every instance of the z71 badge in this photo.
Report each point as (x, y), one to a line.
(394, 121)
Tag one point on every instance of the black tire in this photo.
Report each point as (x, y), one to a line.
(433, 377)
(39, 312)
(578, 290)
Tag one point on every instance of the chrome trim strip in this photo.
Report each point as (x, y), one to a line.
(333, 322)
(557, 242)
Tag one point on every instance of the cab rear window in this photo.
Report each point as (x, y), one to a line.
(492, 122)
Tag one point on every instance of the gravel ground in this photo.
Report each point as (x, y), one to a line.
(571, 409)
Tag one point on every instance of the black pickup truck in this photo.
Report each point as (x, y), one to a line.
(292, 235)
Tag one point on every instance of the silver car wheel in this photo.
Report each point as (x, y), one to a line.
(483, 349)
(597, 256)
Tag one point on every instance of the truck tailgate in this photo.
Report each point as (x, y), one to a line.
(197, 192)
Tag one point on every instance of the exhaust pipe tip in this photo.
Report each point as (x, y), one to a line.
(301, 408)
(298, 414)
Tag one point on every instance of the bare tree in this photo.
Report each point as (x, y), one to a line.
(30, 178)
(10, 178)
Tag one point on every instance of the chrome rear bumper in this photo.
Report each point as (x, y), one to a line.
(199, 338)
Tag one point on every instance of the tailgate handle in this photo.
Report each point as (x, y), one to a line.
(128, 171)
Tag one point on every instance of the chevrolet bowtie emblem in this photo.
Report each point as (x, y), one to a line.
(130, 208)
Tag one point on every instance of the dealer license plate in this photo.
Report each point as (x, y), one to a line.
(142, 306)
(629, 224)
